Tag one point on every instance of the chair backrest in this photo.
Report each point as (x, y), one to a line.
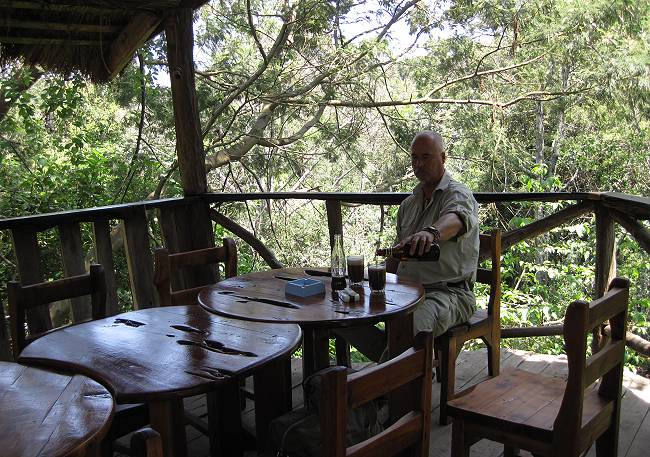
(167, 265)
(146, 442)
(490, 248)
(21, 298)
(607, 364)
(340, 391)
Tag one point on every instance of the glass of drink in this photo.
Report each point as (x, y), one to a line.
(355, 270)
(377, 277)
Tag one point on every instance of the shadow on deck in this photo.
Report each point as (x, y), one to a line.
(634, 435)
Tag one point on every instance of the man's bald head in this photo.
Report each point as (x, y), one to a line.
(434, 138)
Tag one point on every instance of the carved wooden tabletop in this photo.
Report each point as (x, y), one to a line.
(260, 296)
(158, 353)
(43, 413)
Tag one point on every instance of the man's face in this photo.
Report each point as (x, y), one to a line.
(427, 160)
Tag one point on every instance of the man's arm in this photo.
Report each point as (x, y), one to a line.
(448, 225)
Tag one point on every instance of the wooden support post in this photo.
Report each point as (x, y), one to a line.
(29, 268)
(189, 142)
(334, 218)
(73, 265)
(104, 256)
(139, 261)
(605, 263)
(192, 224)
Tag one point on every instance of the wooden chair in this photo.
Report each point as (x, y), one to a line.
(549, 416)
(167, 267)
(340, 391)
(128, 417)
(146, 442)
(23, 298)
(171, 292)
(484, 324)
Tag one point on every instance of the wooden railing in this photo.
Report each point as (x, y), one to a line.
(134, 220)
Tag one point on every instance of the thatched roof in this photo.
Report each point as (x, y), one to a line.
(95, 37)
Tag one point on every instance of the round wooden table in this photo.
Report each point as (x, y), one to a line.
(261, 297)
(43, 413)
(160, 355)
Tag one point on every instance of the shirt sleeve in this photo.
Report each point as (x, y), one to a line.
(461, 202)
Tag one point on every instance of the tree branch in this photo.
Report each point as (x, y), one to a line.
(249, 16)
(396, 17)
(247, 236)
(279, 43)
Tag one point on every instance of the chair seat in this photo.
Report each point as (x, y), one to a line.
(478, 319)
(522, 402)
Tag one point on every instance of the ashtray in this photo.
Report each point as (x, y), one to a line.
(304, 287)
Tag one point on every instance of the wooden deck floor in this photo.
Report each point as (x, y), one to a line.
(634, 438)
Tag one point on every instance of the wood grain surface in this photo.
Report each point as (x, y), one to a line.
(43, 413)
(261, 297)
(163, 353)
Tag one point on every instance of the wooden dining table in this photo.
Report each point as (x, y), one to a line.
(261, 297)
(49, 414)
(159, 356)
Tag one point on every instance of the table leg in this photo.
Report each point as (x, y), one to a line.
(167, 417)
(307, 351)
(272, 397)
(315, 352)
(224, 419)
(400, 338)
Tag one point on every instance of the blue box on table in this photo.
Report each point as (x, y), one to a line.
(304, 287)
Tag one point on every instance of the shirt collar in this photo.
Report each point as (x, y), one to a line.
(442, 185)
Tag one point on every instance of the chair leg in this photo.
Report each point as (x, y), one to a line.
(437, 344)
(342, 352)
(607, 443)
(459, 445)
(448, 371)
(494, 355)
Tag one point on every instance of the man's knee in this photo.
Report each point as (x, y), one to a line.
(431, 316)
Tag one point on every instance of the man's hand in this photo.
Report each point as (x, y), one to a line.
(420, 242)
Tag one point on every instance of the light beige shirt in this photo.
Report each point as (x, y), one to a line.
(458, 256)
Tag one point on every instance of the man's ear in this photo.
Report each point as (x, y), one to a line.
(444, 156)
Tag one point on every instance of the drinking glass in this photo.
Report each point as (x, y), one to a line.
(377, 277)
(355, 270)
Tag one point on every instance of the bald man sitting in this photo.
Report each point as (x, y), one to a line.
(440, 210)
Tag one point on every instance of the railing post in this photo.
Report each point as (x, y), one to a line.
(104, 256)
(29, 267)
(334, 218)
(605, 263)
(139, 259)
(73, 265)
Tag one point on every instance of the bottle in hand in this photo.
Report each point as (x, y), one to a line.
(402, 253)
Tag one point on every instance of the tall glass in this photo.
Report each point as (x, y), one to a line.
(355, 270)
(377, 278)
